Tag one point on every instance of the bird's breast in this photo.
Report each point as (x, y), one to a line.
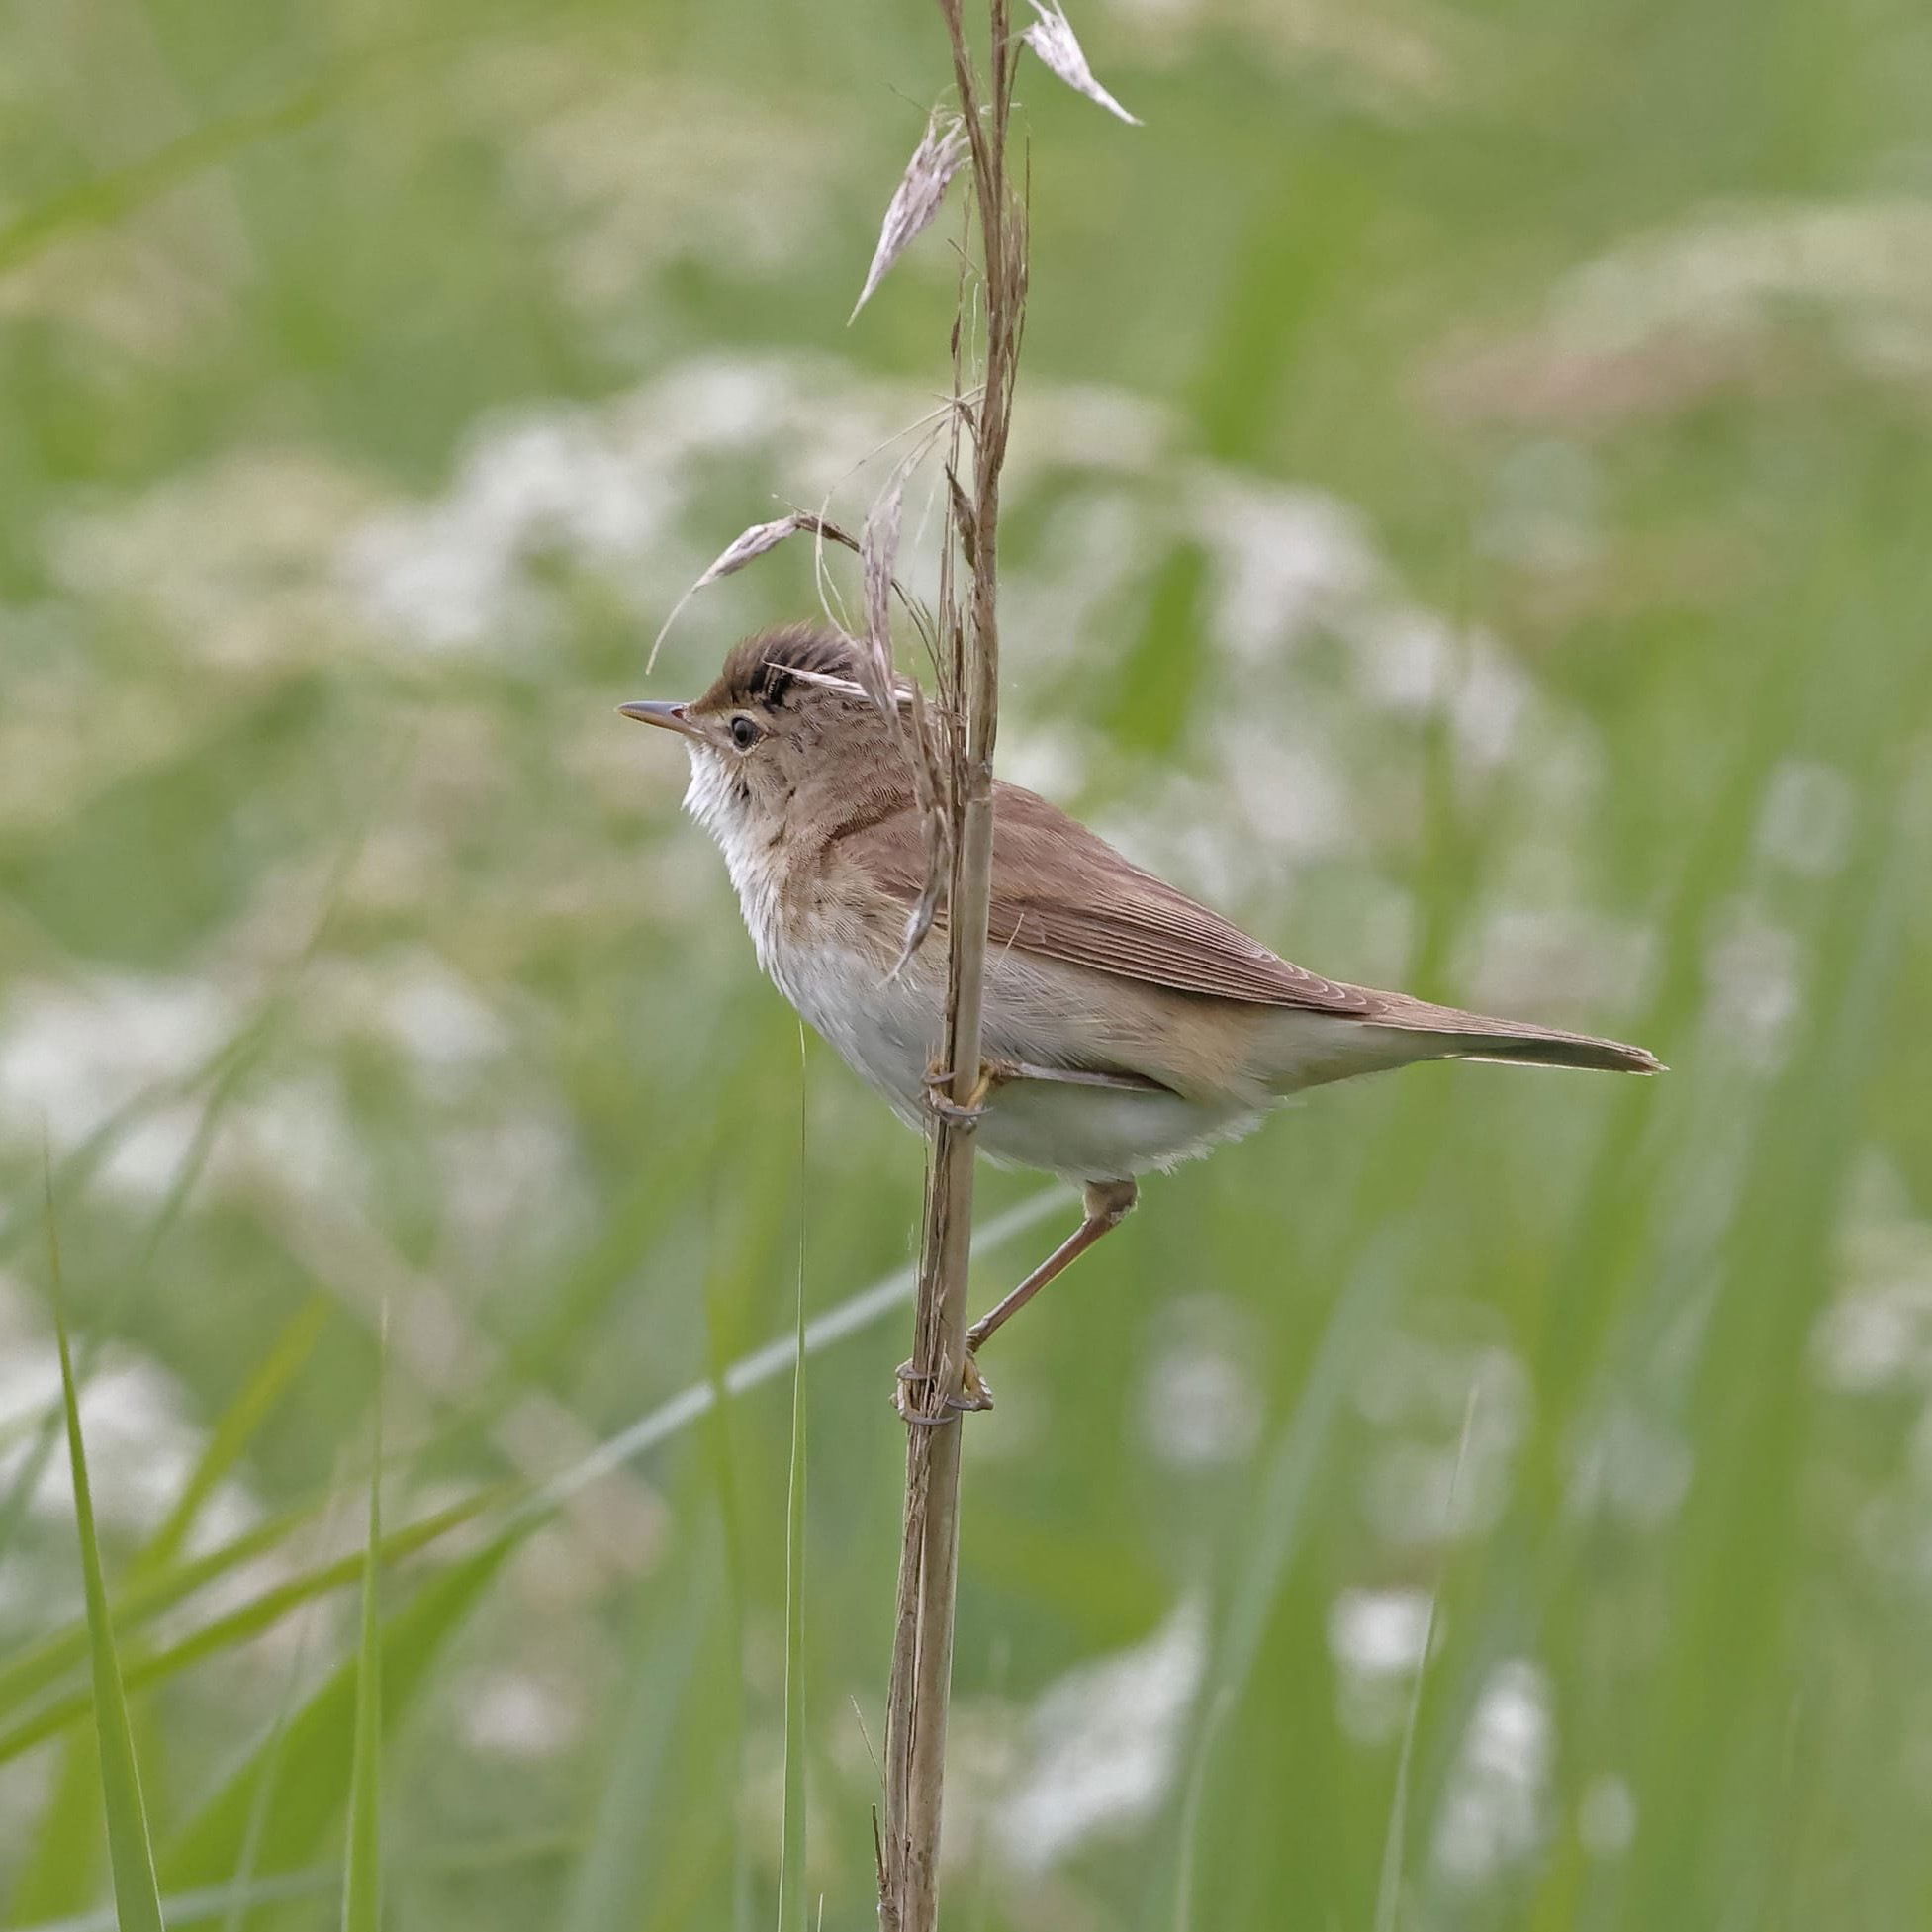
(829, 941)
(885, 1026)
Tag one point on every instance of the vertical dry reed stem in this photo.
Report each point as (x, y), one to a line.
(922, 1650)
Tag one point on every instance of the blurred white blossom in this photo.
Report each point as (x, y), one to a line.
(1493, 1813)
(1102, 1743)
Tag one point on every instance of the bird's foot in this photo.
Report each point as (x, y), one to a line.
(939, 1100)
(975, 1394)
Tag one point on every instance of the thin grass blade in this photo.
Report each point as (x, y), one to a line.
(362, 1885)
(634, 1822)
(247, 1620)
(130, 1850)
(792, 1909)
(238, 1427)
(322, 1735)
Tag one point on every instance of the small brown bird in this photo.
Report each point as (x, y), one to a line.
(1125, 1026)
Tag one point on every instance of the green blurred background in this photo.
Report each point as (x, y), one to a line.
(1468, 519)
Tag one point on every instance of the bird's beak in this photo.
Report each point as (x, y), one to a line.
(671, 716)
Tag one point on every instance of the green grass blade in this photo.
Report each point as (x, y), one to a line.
(857, 1312)
(1289, 1480)
(1388, 1897)
(791, 1865)
(677, 1656)
(246, 1620)
(236, 1429)
(318, 1741)
(60, 1868)
(244, 1895)
(1192, 1801)
(362, 1897)
(130, 1852)
(736, 1540)
(26, 1476)
(36, 1666)
(273, 1761)
(791, 1858)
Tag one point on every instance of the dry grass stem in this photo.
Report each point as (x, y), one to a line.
(951, 750)
(967, 661)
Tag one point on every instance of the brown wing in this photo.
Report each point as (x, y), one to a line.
(1062, 893)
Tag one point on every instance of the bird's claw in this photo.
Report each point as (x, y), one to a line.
(975, 1394)
(951, 1111)
(941, 1102)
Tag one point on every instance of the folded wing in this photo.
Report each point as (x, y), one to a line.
(1062, 893)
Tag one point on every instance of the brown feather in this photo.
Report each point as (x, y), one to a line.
(1062, 893)
(771, 668)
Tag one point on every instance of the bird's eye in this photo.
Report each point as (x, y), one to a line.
(744, 733)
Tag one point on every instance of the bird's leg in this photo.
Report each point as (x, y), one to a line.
(1108, 1204)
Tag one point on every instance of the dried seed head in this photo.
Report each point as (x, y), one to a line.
(935, 161)
(902, 701)
(878, 553)
(964, 521)
(754, 542)
(740, 551)
(1052, 38)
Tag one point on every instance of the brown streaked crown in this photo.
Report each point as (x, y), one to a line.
(761, 670)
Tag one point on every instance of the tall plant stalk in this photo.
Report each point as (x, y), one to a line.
(922, 1650)
(952, 756)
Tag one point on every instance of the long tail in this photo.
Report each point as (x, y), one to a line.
(1455, 1035)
